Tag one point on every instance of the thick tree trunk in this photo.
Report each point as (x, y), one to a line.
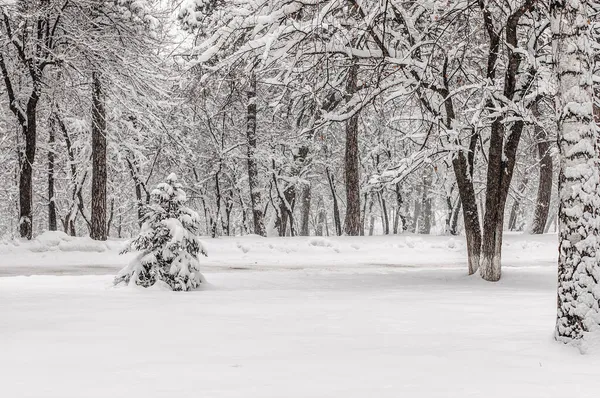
(544, 193)
(253, 180)
(26, 176)
(579, 206)
(468, 201)
(351, 163)
(52, 225)
(502, 150)
(99, 172)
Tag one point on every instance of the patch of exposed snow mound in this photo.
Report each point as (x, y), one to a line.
(53, 238)
(320, 242)
(85, 244)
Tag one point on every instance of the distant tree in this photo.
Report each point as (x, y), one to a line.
(167, 241)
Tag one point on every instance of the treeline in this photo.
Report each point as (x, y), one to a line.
(282, 118)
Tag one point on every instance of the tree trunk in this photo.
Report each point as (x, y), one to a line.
(52, 226)
(468, 201)
(426, 204)
(351, 163)
(502, 152)
(399, 218)
(99, 173)
(321, 220)
(385, 221)
(454, 221)
(515, 211)
(253, 180)
(305, 210)
(579, 205)
(544, 193)
(26, 176)
(336, 208)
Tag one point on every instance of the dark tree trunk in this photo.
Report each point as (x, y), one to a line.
(385, 221)
(336, 208)
(502, 156)
(417, 210)
(351, 163)
(371, 217)
(305, 210)
(426, 205)
(52, 226)
(454, 221)
(26, 176)
(399, 217)
(253, 180)
(99, 173)
(544, 193)
(468, 200)
(286, 209)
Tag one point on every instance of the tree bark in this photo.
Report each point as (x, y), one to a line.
(544, 193)
(516, 210)
(305, 210)
(579, 206)
(99, 172)
(468, 202)
(351, 163)
(426, 204)
(52, 226)
(253, 180)
(385, 221)
(336, 208)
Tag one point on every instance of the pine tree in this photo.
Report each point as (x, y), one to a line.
(167, 241)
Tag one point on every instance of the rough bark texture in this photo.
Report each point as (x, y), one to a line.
(253, 180)
(351, 163)
(579, 202)
(469, 206)
(544, 192)
(98, 217)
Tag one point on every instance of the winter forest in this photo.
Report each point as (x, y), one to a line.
(345, 191)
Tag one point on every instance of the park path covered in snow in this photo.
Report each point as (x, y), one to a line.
(312, 319)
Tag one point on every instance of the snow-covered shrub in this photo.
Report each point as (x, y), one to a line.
(167, 242)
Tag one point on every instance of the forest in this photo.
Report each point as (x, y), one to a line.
(308, 118)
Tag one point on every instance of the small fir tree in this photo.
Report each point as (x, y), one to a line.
(168, 242)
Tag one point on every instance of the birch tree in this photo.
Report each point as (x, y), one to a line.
(579, 207)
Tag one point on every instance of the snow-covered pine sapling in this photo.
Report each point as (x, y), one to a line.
(167, 242)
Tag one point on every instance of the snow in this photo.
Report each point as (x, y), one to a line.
(290, 317)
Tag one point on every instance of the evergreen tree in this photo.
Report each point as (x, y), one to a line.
(167, 241)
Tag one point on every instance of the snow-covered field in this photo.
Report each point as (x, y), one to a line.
(291, 317)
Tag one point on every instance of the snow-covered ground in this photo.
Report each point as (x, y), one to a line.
(293, 317)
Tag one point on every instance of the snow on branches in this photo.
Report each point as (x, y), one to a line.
(579, 214)
(168, 242)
